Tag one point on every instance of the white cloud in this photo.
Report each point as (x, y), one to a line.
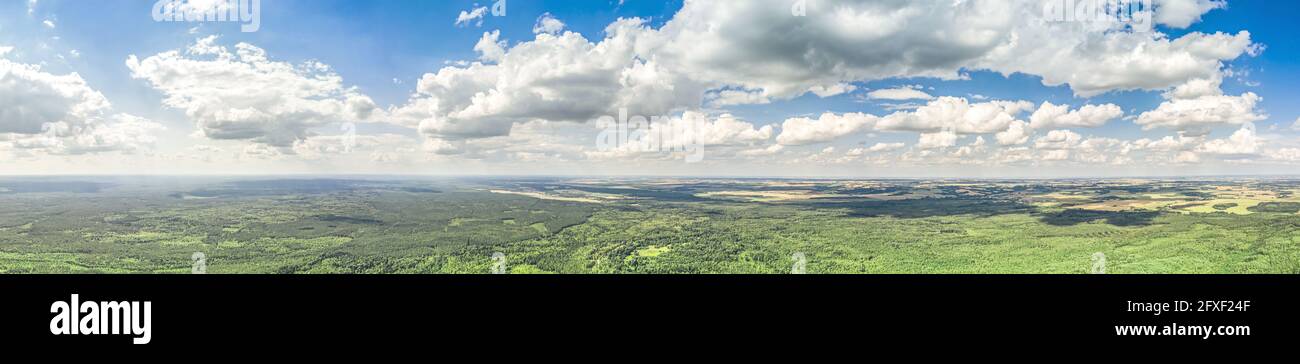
(876, 148)
(1104, 150)
(758, 45)
(753, 52)
(762, 152)
(31, 98)
(900, 93)
(951, 114)
(245, 95)
(721, 131)
(320, 146)
(832, 89)
(473, 16)
(1203, 112)
(1017, 133)
(63, 115)
(1243, 141)
(121, 133)
(554, 78)
(938, 140)
(489, 48)
(1058, 140)
(260, 151)
(1168, 143)
(691, 130)
(48, 24)
(1093, 64)
(547, 23)
(1285, 155)
(1197, 88)
(1187, 158)
(972, 149)
(885, 147)
(737, 97)
(826, 128)
(1056, 155)
(1183, 13)
(508, 102)
(1051, 116)
(956, 114)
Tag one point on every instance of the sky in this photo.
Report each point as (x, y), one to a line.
(780, 88)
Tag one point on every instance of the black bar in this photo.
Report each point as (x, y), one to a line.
(404, 311)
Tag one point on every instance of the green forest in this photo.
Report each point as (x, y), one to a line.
(380, 225)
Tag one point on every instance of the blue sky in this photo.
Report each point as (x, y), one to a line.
(381, 49)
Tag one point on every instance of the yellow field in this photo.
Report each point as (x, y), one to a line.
(1063, 196)
(766, 196)
(1242, 207)
(1129, 205)
(547, 197)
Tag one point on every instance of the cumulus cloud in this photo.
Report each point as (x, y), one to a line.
(1197, 88)
(1285, 155)
(723, 130)
(720, 98)
(762, 152)
(1058, 140)
(1187, 158)
(1183, 13)
(553, 78)
(547, 23)
(754, 52)
(1060, 116)
(758, 45)
(885, 147)
(489, 48)
(1168, 143)
(937, 140)
(320, 146)
(956, 114)
(1242, 142)
(63, 115)
(686, 133)
(119, 133)
(30, 99)
(832, 89)
(900, 93)
(710, 53)
(244, 95)
(1203, 112)
(474, 16)
(1017, 133)
(826, 128)
(937, 119)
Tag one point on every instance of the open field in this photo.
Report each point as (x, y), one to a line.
(542, 225)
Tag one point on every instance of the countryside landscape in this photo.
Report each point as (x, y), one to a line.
(569, 225)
